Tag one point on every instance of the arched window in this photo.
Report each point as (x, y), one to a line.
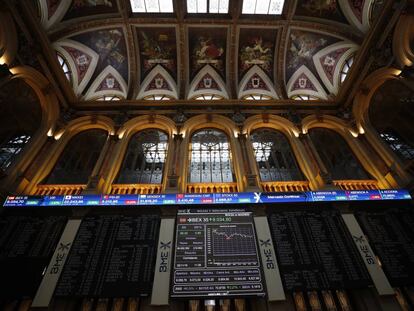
(396, 143)
(391, 114)
(304, 97)
(158, 97)
(274, 156)
(20, 119)
(109, 98)
(145, 158)
(10, 147)
(336, 155)
(257, 97)
(346, 67)
(208, 97)
(78, 160)
(65, 67)
(210, 157)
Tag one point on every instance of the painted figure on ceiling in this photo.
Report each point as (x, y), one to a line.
(91, 3)
(206, 51)
(107, 45)
(256, 53)
(157, 49)
(320, 6)
(303, 47)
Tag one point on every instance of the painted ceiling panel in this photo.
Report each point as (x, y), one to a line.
(81, 8)
(110, 45)
(180, 55)
(157, 46)
(328, 9)
(257, 47)
(207, 46)
(302, 46)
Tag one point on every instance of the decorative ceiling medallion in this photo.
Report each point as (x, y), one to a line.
(108, 82)
(158, 83)
(207, 81)
(304, 82)
(81, 60)
(329, 61)
(256, 82)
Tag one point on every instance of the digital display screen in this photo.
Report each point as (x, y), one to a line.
(216, 254)
(112, 256)
(205, 198)
(391, 234)
(26, 247)
(315, 250)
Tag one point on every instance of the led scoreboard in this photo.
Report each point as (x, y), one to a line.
(216, 254)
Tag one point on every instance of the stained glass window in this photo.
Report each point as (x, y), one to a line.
(145, 158)
(396, 143)
(109, 98)
(257, 97)
(76, 163)
(210, 157)
(274, 156)
(335, 153)
(208, 6)
(10, 148)
(208, 97)
(269, 7)
(152, 6)
(346, 67)
(64, 65)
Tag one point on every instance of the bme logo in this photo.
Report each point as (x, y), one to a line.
(267, 252)
(63, 249)
(164, 255)
(363, 247)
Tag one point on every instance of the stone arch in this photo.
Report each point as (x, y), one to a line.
(292, 133)
(62, 138)
(126, 132)
(8, 39)
(350, 135)
(49, 105)
(403, 40)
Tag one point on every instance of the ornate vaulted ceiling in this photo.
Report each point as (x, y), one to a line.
(304, 53)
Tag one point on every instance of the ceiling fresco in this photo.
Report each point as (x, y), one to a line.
(81, 8)
(157, 46)
(257, 47)
(328, 9)
(207, 46)
(111, 51)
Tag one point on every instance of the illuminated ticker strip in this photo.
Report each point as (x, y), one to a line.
(205, 198)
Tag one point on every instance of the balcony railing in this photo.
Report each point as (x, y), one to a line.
(136, 188)
(211, 187)
(356, 184)
(59, 189)
(285, 186)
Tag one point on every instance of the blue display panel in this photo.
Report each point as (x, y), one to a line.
(205, 198)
